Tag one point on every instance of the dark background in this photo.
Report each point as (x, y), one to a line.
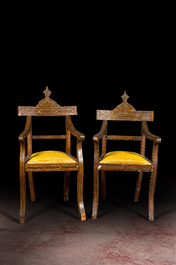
(89, 65)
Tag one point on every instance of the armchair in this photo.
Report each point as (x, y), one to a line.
(50, 160)
(121, 160)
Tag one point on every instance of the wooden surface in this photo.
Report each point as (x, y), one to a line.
(127, 116)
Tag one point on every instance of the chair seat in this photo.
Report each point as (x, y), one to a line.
(123, 157)
(50, 157)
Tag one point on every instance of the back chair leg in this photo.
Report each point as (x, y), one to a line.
(95, 193)
(31, 186)
(80, 179)
(103, 185)
(22, 196)
(66, 185)
(138, 186)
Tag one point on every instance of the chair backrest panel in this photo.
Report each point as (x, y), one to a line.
(125, 112)
(47, 111)
(125, 116)
(47, 107)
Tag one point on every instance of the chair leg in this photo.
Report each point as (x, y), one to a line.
(103, 185)
(31, 186)
(22, 196)
(95, 193)
(138, 186)
(66, 185)
(80, 179)
(151, 195)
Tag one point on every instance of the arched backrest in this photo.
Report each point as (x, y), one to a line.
(47, 107)
(125, 112)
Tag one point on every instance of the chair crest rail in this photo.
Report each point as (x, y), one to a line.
(127, 116)
(47, 107)
(125, 112)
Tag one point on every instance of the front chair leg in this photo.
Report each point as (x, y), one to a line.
(151, 195)
(95, 193)
(81, 209)
(66, 185)
(153, 182)
(31, 186)
(138, 186)
(22, 196)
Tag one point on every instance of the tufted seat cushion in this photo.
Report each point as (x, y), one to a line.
(122, 157)
(50, 157)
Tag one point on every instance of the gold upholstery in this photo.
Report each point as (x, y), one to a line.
(50, 157)
(122, 157)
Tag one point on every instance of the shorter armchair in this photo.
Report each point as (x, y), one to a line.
(125, 160)
(50, 160)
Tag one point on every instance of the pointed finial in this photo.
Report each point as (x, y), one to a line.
(125, 96)
(47, 92)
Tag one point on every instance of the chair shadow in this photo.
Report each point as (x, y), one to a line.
(50, 206)
(9, 216)
(171, 210)
(125, 205)
(116, 203)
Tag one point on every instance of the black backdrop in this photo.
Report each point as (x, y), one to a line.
(91, 73)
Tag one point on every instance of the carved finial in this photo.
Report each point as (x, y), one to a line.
(47, 101)
(47, 92)
(125, 96)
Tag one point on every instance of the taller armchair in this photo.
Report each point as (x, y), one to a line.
(55, 160)
(125, 160)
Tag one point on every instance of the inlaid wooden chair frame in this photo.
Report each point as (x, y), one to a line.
(125, 112)
(49, 107)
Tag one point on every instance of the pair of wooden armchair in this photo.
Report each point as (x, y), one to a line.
(63, 161)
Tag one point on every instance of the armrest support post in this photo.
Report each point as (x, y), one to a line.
(27, 129)
(72, 129)
(101, 133)
(149, 135)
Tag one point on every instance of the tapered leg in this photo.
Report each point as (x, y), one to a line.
(80, 178)
(151, 195)
(22, 196)
(153, 182)
(95, 193)
(31, 186)
(138, 186)
(103, 185)
(66, 185)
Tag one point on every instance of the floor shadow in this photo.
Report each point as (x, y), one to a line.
(9, 216)
(122, 202)
(164, 213)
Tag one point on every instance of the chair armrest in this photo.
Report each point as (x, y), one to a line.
(23, 135)
(149, 135)
(72, 129)
(101, 133)
(26, 131)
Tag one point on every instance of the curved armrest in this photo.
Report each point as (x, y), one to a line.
(101, 133)
(72, 129)
(149, 135)
(26, 131)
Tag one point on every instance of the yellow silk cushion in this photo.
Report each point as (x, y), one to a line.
(50, 157)
(122, 157)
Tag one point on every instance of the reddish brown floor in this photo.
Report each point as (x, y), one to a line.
(121, 234)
